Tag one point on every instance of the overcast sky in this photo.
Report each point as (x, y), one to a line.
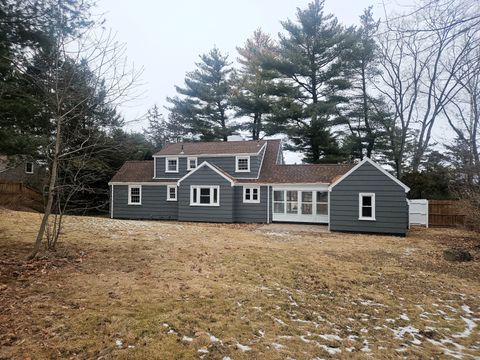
(165, 37)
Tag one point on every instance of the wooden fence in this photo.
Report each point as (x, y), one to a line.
(18, 196)
(445, 213)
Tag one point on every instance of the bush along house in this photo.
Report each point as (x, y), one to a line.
(247, 181)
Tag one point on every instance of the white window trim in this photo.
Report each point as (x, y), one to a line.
(236, 163)
(188, 162)
(166, 164)
(28, 172)
(168, 193)
(360, 203)
(197, 200)
(130, 194)
(251, 201)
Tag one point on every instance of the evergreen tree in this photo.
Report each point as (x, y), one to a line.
(361, 116)
(310, 58)
(160, 131)
(203, 105)
(256, 91)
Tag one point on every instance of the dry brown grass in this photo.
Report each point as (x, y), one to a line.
(166, 290)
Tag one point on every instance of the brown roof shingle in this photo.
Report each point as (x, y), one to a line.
(213, 148)
(135, 171)
(271, 172)
(291, 174)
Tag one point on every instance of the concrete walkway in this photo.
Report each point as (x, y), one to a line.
(293, 228)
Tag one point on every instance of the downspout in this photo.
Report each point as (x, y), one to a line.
(268, 204)
(328, 199)
(111, 204)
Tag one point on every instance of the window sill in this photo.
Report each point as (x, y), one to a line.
(207, 205)
(171, 172)
(367, 219)
(134, 204)
(242, 171)
(251, 202)
(171, 199)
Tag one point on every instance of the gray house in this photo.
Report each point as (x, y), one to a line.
(247, 181)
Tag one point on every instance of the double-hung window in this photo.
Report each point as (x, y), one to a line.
(191, 163)
(251, 194)
(366, 206)
(171, 193)
(242, 164)
(171, 165)
(205, 196)
(134, 195)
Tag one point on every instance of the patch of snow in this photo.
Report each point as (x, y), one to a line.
(165, 325)
(171, 331)
(226, 358)
(285, 337)
(350, 349)
(466, 309)
(258, 308)
(366, 347)
(390, 320)
(401, 331)
(330, 350)
(371, 303)
(364, 330)
(292, 301)
(352, 337)
(243, 348)
(470, 325)
(131, 346)
(330, 337)
(277, 346)
(119, 343)
(202, 351)
(261, 332)
(281, 322)
(404, 317)
(187, 339)
(304, 339)
(214, 339)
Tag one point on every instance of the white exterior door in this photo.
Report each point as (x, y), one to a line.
(296, 203)
(418, 212)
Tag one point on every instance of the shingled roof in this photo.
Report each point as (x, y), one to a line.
(271, 172)
(212, 148)
(295, 174)
(135, 171)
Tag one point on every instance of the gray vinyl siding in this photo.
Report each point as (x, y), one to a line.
(154, 204)
(226, 163)
(206, 176)
(391, 209)
(250, 212)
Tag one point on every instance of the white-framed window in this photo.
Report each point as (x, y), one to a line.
(171, 193)
(134, 194)
(191, 163)
(204, 195)
(322, 203)
(29, 167)
(251, 194)
(242, 164)
(171, 164)
(366, 206)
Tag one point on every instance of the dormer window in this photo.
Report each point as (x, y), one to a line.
(171, 165)
(191, 163)
(242, 164)
(29, 167)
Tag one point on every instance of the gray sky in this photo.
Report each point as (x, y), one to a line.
(166, 37)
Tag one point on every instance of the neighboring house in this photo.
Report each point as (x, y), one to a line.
(18, 170)
(246, 181)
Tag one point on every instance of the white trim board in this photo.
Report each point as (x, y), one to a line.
(205, 163)
(370, 161)
(150, 183)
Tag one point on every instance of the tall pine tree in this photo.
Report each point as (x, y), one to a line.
(203, 105)
(255, 88)
(310, 59)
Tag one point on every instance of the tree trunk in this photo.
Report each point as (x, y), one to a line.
(51, 190)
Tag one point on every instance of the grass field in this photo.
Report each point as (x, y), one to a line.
(165, 290)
